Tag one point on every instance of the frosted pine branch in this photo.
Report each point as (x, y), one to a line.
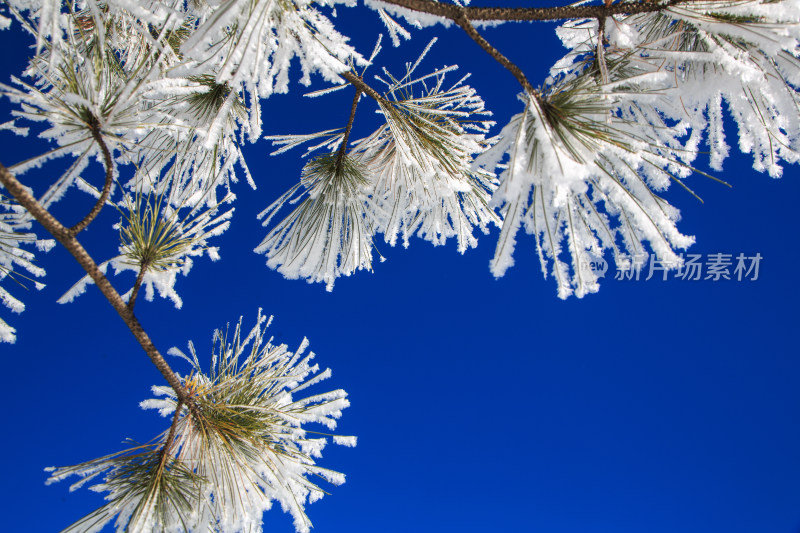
(251, 446)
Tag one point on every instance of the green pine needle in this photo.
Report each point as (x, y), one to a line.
(207, 103)
(152, 235)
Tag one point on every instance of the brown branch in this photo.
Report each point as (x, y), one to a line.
(453, 12)
(170, 437)
(94, 127)
(600, 55)
(362, 86)
(137, 286)
(83, 258)
(343, 148)
(464, 22)
(463, 17)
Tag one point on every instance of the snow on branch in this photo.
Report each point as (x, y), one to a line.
(220, 470)
(14, 226)
(160, 241)
(414, 175)
(577, 158)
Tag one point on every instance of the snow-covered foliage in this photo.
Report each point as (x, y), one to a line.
(577, 160)
(159, 240)
(249, 447)
(162, 94)
(420, 160)
(14, 223)
(625, 113)
(173, 88)
(166, 127)
(413, 175)
(327, 235)
(741, 52)
(250, 45)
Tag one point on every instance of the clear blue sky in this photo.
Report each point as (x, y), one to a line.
(480, 404)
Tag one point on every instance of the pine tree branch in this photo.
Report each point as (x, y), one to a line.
(520, 14)
(464, 22)
(343, 147)
(601, 48)
(463, 17)
(68, 240)
(137, 286)
(362, 86)
(170, 437)
(94, 127)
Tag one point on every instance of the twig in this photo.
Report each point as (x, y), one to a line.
(601, 48)
(343, 148)
(464, 22)
(94, 127)
(362, 86)
(453, 12)
(463, 17)
(170, 436)
(137, 286)
(63, 235)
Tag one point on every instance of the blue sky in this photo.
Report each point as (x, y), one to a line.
(480, 404)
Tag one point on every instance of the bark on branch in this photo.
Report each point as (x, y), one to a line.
(66, 238)
(170, 437)
(463, 17)
(362, 86)
(343, 148)
(464, 22)
(94, 127)
(453, 12)
(137, 285)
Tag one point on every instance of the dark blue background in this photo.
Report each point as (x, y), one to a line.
(480, 404)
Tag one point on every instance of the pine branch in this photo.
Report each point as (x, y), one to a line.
(137, 285)
(464, 22)
(343, 148)
(94, 127)
(601, 47)
(171, 436)
(362, 86)
(463, 17)
(454, 12)
(66, 238)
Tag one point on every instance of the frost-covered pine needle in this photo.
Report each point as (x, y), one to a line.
(591, 152)
(15, 224)
(251, 445)
(415, 176)
(327, 234)
(580, 156)
(421, 161)
(161, 240)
